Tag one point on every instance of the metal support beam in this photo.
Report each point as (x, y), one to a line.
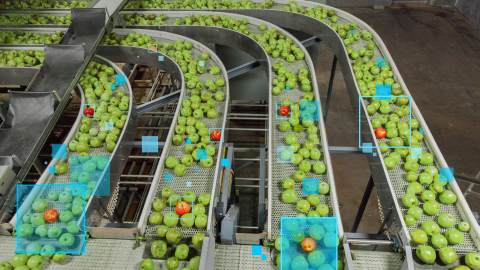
(234, 72)
(344, 150)
(157, 103)
(365, 198)
(330, 86)
(310, 41)
(138, 144)
(261, 192)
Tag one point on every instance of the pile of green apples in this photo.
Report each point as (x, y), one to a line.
(190, 4)
(172, 263)
(27, 37)
(33, 261)
(19, 58)
(197, 216)
(82, 168)
(107, 109)
(42, 4)
(35, 19)
(286, 78)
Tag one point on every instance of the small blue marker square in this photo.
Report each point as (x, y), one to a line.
(189, 184)
(446, 174)
(51, 169)
(264, 257)
(367, 148)
(196, 169)
(416, 152)
(351, 32)
(150, 144)
(421, 131)
(310, 186)
(225, 162)
(201, 63)
(374, 154)
(160, 58)
(288, 89)
(201, 154)
(45, 162)
(189, 141)
(59, 151)
(383, 92)
(108, 125)
(112, 87)
(381, 62)
(119, 79)
(256, 250)
(168, 177)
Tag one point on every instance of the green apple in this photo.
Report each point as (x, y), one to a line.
(290, 196)
(187, 220)
(41, 230)
(194, 263)
(419, 237)
(323, 210)
(66, 216)
(463, 226)
(284, 126)
(197, 240)
(159, 205)
(166, 193)
(37, 219)
(158, 248)
(471, 259)
(5, 266)
(431, 207)
(155, 218)
(436, 188)
(147, 264)
(72, 227)
(414, 188)
(39, 205)
(54, 231)
(447, 255)
(409, 220)
(282, 244)
(439, 241)
(66, 240)
(180, 170)
(204, 199)
(411, 166)
(409, 200)
(305, 166)
(319, 167)
(174, 236)
(428, 195)
(19, 260)
(425, 178)
(198, 209)
(313, 199)
(53, 195)
(446, 220)
(181, 252)
(65, 197)
(448, 197)
(430, 227)
(426, 254)
(59, 257)
(291, 139)
(454, 236)
(426, 158)
(33, 248)
(415, 212)
(315, 154)
(36, 261)
(201, 221)
(288, 183)
(162, 230)
(303, 206)
(316, 231)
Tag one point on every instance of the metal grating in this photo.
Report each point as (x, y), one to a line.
(363, 259)
(234, 257)
(203, 179)
(101, 254)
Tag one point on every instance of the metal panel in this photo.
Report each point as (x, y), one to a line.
(471, 10)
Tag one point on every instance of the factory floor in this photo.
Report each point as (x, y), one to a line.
(437, 52)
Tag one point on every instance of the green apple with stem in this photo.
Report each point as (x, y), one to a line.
(303, 206)
(204, 199)
(448, 197)
(454, 236)
(5, 266)
(472, 260)
(446, 220)
(147, 264)
(171, 219)
(464, 226)
(409, 200)
(159, 205)
(323, 210)
(447, 255)
(19, 260)
(319, 167)
(313, 199)
(430, 227)
(201, 221)
(158, 248)
(288, 183)
(439, 241)
(59, 257)
(427, 195)
(409, 220)
(431, 207)
(299, 175)
(426, 254)
(290, 196)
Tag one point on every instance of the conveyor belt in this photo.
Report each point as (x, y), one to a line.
(363, 260)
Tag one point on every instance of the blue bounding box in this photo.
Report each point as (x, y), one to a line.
(152, 48)
(383, 92)
(381, 62)
(180, 199)
(119, 79)
(59, 151)
(92, 172)
(446, 174)
(210, 130)
(189, 141)
(416, 152)
(35, 235)
(278, 105)
(108, 125)
(320, 233)
(367, 148)
(309, 110)
(285, 153)
(168, 177)
(112, 87)
(225, 162)
(150, 144)
(84, 106)
(310, 186)
(51, 169)
(256, 250)
(201, 154)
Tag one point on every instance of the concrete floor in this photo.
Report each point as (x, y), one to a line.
(437, 52)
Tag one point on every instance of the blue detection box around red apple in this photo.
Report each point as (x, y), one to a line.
(59, 151)
(309, 110)
(225, 162)
(152, 48)
(85, 106)
(278, 105)
(34, 233)
(362, 145)
(119, 79)
(446, 174)
(381, 62)
(383, 92)
(285, 153)
(93, 172)
(191, 206)
(310, 186)
(201, 154)
(210, 130)
(150, 144)
(324, 232)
